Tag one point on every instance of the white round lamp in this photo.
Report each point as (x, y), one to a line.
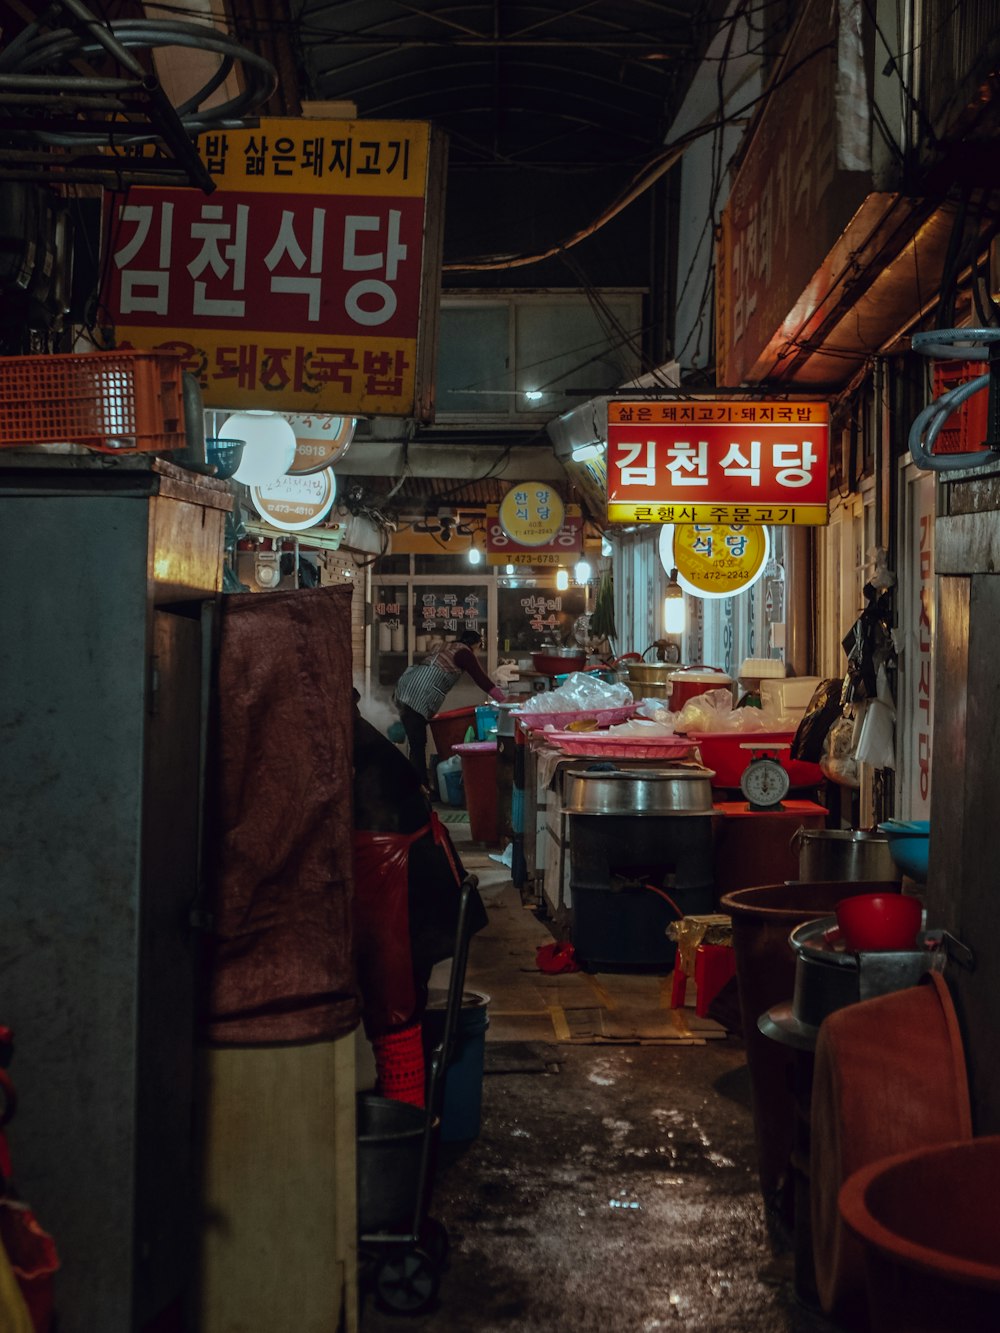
(269, 447)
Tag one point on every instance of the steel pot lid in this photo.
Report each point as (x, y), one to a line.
(675, 789)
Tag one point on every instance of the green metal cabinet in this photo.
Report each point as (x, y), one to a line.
(110, 570)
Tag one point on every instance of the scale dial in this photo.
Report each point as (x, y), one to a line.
(764, 783)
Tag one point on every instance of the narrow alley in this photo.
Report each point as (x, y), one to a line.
(613, 1183)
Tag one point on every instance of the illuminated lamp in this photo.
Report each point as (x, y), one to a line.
(562, 579)
(673, 606)
(582, 571)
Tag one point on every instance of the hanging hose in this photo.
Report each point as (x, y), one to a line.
(949, 344)
(666, 898)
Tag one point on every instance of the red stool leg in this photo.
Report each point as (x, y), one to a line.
(714, 964)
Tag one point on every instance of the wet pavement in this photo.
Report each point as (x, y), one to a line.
(613, 1183)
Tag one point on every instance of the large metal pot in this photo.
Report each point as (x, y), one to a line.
(681, 789)
(648, 680)
(850, 854)
(554, 661)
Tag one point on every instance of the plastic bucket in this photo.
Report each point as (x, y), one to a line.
(449, 728)
(479, 774)
(455, 787)
(486, 722)
(461, 1110)
(929, 1221)
(390, 1138)
(763, 917)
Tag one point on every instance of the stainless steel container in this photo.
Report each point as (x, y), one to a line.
(681, 789)
(648, 680)
(828, 977)
(843, 854)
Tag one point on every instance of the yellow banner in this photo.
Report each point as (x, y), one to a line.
(305, 156)
(352, 376)
(776, 515)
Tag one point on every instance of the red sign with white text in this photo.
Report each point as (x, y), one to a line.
(296, 286)
(718, 462)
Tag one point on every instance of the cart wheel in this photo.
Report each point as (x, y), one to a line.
(435, 1240)
(407, 1282)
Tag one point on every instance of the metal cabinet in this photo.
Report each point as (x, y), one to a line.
(111, 569)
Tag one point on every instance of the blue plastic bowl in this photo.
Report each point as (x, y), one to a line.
(225, 455)
(909, 845)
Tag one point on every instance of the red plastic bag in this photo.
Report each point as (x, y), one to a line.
(33, 1257)
(559, 956)
(30, 1249)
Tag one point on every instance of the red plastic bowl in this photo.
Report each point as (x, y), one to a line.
(880, 920)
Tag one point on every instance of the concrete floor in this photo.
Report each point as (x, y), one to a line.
(613, 1183)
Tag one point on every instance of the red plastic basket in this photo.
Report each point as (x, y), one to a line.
(110, 401)
(965, 429)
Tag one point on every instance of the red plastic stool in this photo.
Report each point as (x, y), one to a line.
(714, 965)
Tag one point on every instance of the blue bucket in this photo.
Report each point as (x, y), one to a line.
(486, 722)
(461, 1112)
(455, 787)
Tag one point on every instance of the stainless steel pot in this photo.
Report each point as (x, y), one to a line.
(843, 854)
(828, 977)
(648, 680)
(681, 789)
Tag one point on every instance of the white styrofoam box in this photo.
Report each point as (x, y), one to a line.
(789, 696)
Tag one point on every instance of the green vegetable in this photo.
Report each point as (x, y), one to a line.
(602, 620)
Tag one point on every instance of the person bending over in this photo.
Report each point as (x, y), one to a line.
(422, 688)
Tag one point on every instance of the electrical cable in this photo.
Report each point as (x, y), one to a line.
(47, 52)
(665, 896)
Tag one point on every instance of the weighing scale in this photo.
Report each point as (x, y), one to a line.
(764, 782)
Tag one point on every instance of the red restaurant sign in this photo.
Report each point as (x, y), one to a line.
(502, 549)
(305, 282)
(718, 462)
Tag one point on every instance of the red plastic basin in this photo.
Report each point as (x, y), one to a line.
(880, 920)
(720, 750)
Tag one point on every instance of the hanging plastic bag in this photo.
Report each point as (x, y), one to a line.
(30, 1251)
(838, 761)
(821, 712)
(875, 736)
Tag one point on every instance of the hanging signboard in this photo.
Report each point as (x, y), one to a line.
(303, 284)
(718, 462)
(502, 549)
(295, 503)
(320, 441)
(715, 559)
(532, 514)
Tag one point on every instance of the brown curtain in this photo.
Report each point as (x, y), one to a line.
(279, 821)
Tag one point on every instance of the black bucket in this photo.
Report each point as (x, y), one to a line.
(390, 1139)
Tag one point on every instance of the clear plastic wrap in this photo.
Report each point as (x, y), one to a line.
(713, 711)
(579, 693)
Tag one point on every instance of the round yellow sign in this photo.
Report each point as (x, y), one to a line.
(715, 559)
(532, 513)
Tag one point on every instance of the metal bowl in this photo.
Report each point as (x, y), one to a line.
(680, 789)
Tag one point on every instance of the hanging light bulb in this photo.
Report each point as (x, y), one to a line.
(562, 579)
(674, 610)
(475, 555)
(508, 569)
(269, 448)
(582, 571)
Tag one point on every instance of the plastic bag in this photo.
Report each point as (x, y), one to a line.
(875, 735)
(821, 712)
(706, 712)
(838, 761)
(580, 692)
